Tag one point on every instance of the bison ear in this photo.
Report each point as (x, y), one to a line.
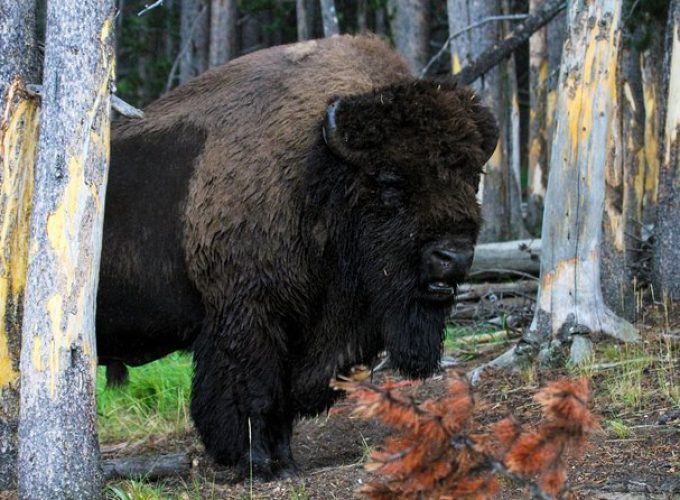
(339, 136)
(487, 128)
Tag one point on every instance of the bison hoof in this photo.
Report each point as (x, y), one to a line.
(287, 470)
(264, 471)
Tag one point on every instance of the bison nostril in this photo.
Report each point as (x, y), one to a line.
(453, 260)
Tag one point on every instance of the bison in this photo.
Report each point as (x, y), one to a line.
(287, 216)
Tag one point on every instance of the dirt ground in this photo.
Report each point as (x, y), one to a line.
(641, 460)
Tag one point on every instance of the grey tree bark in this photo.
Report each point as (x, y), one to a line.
(194, 38)
(500, 192)
(667, 247)
(539, 69)
(18, 136)
(546, 55)
(625, 172)
(410, 26)
(223, 16)
(58, 451)
(362, 16)
(329, 17)
(570, 308)
(380, 22)
(304, 30)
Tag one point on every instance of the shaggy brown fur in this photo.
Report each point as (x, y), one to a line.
(282, 258)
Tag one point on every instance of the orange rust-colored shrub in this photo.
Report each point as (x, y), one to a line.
(437, 452)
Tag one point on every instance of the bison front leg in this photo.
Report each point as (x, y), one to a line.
(239, 402)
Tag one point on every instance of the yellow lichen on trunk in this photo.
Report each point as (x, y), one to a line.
(599, 69)
(651, 151)
(673, 112)
(64, 230)
(18, 143)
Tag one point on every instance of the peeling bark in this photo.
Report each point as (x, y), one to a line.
(539, 74)
(18, 139)
(570, 308)
(58, 453)
(667, 247)
(624, 189)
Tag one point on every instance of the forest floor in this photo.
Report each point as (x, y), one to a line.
(636, 395)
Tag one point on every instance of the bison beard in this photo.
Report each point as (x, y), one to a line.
(287, 231)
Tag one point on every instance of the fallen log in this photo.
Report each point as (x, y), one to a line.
(518, 257)
(146, 467)
(477, 291)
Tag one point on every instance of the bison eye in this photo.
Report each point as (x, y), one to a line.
(391, 196)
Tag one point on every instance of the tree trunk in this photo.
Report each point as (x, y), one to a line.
(222, 31)
(330, 18)
(18, 137)
(380, 23)
(58, 452)
(652, 87)
(624, 179)
(304, 31)
(570, 307)
(409, 22)
(250, 34)
(194, 38)
(362, 16)
(522, 256)
(667, 248)
(539, 74)
(500, 191)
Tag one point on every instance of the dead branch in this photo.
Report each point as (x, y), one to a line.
(522, 288)
(147, 467)
(125, 109)
(520, 255)
(149, 7)
(118, 104)
(490, 19)
(522, 32)
(484, 338)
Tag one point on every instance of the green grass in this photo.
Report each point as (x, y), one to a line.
(154, 401)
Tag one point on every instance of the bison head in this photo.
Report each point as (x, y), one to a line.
(401, 179)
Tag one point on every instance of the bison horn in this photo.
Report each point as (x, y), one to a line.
(334, 139)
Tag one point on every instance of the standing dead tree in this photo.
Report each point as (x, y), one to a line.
(500, 191)
(667, 248)
(570, 307)
(18, 136)
(194, 39)
(411, 30)
(58, 452)
(544, 60)
(329, 17)
(223, 16)
(304, 30)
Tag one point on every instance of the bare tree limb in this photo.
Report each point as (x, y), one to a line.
(122, 107)
(147, 467)
(489, 19)
(492, 56)
(149, 7)
(125, 109)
